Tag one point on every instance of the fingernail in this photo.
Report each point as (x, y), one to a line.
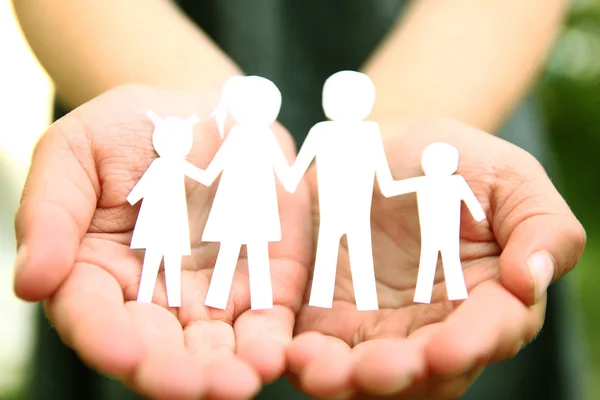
(20, 259)
(541, 268)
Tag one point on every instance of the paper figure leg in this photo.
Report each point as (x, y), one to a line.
(222, 277)
(323, 283)
(453, 274)
(426, 275)
(149, 274)
(362, 269)
(259, 272)
(173, 279)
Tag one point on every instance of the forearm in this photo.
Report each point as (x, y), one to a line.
(89, 46)
(468, 60)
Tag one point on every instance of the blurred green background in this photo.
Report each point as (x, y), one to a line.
(570, 92)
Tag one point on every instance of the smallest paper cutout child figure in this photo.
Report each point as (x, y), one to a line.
(162, 226)
(439, 197)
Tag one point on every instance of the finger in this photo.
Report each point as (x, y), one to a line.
(541, 238)
(230, 378)
(324, 364)
(451, 388)
(262, 337)
(164, 376)
(58, 202)
(428, 385)
(540, 250)
(303, 349)
(200, 357)
(88, 314)
(386, 367)
(204, 337)
(490, 322)
(533, 324)
(158, 329)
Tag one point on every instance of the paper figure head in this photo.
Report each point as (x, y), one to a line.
(348, 96)
(220, 112)
(172, 136)
(249, 100)
(439, 159)
(255, 100)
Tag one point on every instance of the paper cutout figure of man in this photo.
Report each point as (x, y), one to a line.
(162, 226)
(439, 197)
(349, 155)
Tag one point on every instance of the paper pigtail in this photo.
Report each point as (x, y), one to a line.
(153, 117)
(220, 112)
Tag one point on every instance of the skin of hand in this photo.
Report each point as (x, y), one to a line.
(89, 47)
(408, 350)
(439, 57)
(74, 227)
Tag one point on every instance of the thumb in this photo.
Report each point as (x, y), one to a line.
(56, 208)
(541, 238)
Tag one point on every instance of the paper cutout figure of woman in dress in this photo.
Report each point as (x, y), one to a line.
(245, 209)
(439, 197)
(162, 226)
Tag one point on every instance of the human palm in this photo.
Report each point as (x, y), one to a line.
(74, 228)
(76, 225)
(430, 350)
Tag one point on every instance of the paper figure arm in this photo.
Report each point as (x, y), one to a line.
(218, 162)
(382, 168)
(140, 188)
(197, 174)
(405, 186)
(280, 163)
(471, 201)
(307, 153)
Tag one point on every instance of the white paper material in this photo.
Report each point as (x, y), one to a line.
(162, 226)
(220, 112)
(245, 209)
(439, 197)
(349, 156)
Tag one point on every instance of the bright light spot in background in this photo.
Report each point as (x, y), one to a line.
(24, 113)
(578, 5)
(577, 54)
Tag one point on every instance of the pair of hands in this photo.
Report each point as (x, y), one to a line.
(74, 227)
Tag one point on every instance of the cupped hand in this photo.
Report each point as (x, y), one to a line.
(74, 228)
(408, 350)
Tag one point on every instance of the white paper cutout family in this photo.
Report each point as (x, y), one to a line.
(245, 209)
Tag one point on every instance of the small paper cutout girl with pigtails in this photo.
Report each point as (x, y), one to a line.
(162, 226)
(245, 209)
